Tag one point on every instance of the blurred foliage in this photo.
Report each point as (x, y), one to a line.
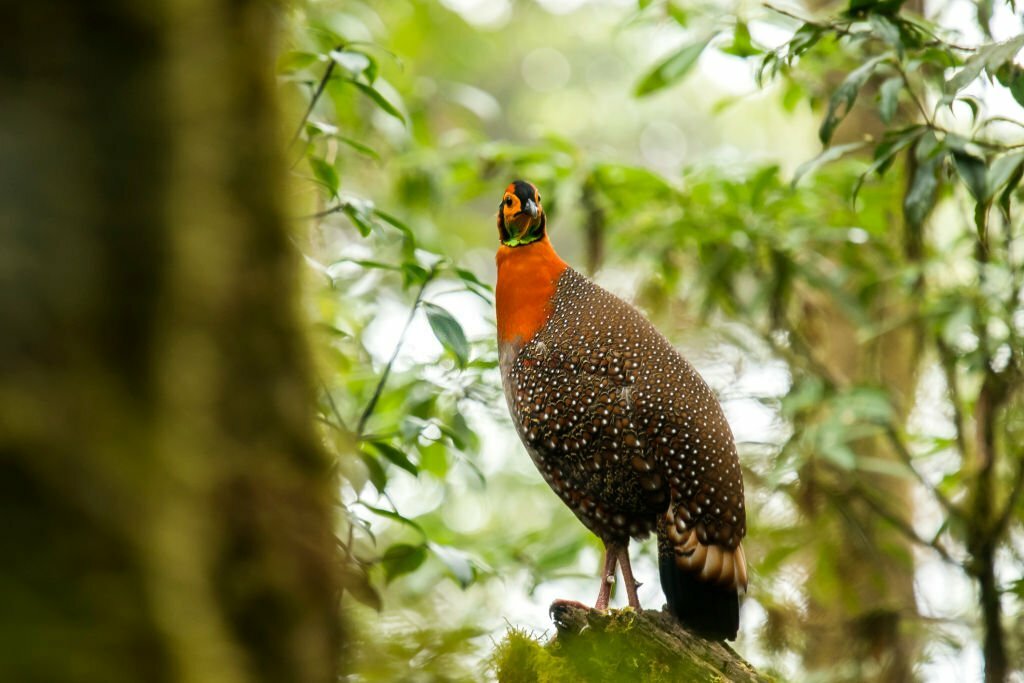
(412, 121)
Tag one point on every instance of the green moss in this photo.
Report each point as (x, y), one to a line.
(618, 646)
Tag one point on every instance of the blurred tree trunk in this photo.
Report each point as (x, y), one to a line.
(866, 616)
(166, 506)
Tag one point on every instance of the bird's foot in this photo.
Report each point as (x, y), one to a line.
(569, 615)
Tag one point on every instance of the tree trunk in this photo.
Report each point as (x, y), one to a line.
(166, 506)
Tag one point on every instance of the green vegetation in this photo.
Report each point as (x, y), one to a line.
(618, 646)
(250, 388)
(877, 283)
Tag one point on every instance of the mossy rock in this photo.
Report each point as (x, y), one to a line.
(618, 645)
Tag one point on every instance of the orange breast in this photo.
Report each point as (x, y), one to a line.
(527, 276)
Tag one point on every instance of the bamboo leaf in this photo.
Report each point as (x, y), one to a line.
(842, 99)
(379, 99)
(395, 456)
(672, 69)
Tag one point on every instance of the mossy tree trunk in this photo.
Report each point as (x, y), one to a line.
(618, 645)
(166, 507)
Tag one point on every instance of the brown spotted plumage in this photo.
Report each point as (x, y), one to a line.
(620, 426)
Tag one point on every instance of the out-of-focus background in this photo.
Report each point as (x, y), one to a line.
(844, 337)
(251, 424)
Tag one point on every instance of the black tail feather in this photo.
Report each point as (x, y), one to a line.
(709, 609)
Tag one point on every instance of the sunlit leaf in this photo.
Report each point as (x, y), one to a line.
(1000, 172)
(359, 217)
(351, 61)
(742, 45)
(988, 57)
(456, 561)
(434, 458)
(326, 174)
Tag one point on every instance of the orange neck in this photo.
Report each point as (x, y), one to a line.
(527, 276)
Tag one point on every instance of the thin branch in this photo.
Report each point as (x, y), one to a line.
(913, 95)
(334, 406)
(904, 527)
(326, 212)
(316, 97)
(372, 405)
(907, 459)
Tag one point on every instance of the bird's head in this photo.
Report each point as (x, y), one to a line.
(520, 216)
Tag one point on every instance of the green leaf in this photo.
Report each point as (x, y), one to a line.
(672, 69)
(678, 12)
(921, 196)
(803, 40)
(972, 171)
(396, 456)
(885, 154)
(434, 458)
(325, 174)
(829, 154)
(296, 60)
(355, 581)
(359, 218)
(999, 173)
(378, 477)
(456, 561)
(842, 99)
(1012, 77)
(351, 61)
(885, 29)
(395, 517)
(988, 57)
(358, 146)
(448, 331)
(379, 99)
(889, 98)
(402, 558)
(742, 46)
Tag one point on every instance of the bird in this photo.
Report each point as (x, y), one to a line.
(619, 424)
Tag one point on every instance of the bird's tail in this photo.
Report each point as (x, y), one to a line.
(702, 582)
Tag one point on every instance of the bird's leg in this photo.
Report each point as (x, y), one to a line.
(627, 576)
(607, 576)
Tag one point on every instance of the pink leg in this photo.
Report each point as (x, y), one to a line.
(607, 577)
(627, 576)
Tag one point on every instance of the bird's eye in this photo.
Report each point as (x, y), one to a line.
(508, 201)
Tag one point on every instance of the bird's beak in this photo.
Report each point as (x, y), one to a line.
(530, 207)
